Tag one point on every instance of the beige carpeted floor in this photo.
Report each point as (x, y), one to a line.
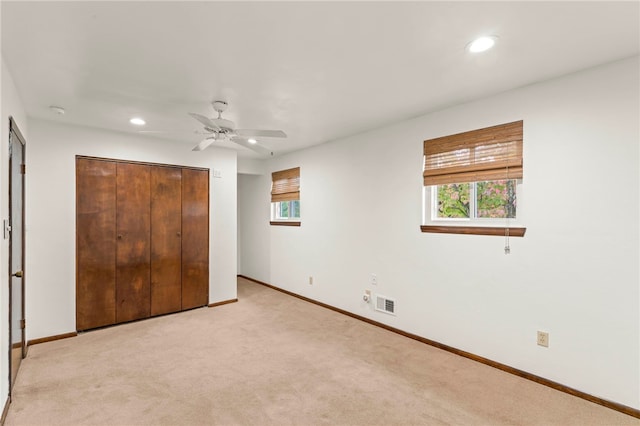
(272, 359)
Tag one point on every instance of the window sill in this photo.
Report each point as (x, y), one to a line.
(285, 223)
(474, 230)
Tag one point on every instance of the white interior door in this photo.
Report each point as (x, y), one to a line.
(17, 347)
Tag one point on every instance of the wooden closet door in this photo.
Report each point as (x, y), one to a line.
(95, 243)
(166, 246)
(133, 299)
(195, 238)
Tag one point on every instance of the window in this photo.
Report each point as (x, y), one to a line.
(472, 181)
(284, 210)
(285, 197)
(493, 199)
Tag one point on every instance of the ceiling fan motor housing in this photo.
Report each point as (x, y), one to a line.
(226, 126)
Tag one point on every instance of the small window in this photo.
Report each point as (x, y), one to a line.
(285, 197)
(286, 210)
(472, 181)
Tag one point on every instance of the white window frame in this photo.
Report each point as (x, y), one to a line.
(430, 211)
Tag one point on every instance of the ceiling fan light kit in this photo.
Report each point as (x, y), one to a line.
(222, 129)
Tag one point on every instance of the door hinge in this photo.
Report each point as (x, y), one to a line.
(23, 169)
(23, 323)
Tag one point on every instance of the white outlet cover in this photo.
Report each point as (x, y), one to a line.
(543, 339)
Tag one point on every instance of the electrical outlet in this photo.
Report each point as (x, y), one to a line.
(543, 339)
(310, 280)
(374, 279)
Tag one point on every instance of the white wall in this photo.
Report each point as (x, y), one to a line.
(248, 171)
(50, 200)
(11, 107)
(251, 166)
(575, 273)
(253, 226)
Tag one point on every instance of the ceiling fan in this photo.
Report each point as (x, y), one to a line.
(220, 128)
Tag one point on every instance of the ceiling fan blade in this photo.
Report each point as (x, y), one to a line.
(252, 146)
(204, 144)
(205, 120)
(169, 132)
(247, 133)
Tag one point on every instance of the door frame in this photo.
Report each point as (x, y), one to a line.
(14, 132)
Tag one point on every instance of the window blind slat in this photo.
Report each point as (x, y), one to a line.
(290, 196)
(484, 154)
(496, 134)
(286, 174)
(285, 185)
(480, 176)
(501, 166)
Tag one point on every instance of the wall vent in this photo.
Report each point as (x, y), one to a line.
(384, 304)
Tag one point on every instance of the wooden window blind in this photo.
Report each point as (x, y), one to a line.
(485, 154)
(285, 185)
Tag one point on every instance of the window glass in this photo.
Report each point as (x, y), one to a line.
(453, 200)
(284, 210)
(493, 199)
(496, 199)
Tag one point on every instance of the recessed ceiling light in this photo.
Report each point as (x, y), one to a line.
(481, 44)
(252, 141)
(137, 121)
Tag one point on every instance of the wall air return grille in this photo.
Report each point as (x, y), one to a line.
(384, 304)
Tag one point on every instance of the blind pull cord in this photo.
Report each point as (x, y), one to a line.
(507, 247)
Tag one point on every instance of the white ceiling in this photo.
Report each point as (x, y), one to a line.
(319, 71)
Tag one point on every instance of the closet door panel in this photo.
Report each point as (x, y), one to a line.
(166, 248)
(195, 238)
(133, 242)
(95, 243)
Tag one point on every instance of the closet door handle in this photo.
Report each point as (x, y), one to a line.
(178, 234)
(119, 236)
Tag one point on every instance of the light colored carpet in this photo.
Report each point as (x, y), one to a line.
(272, 359)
